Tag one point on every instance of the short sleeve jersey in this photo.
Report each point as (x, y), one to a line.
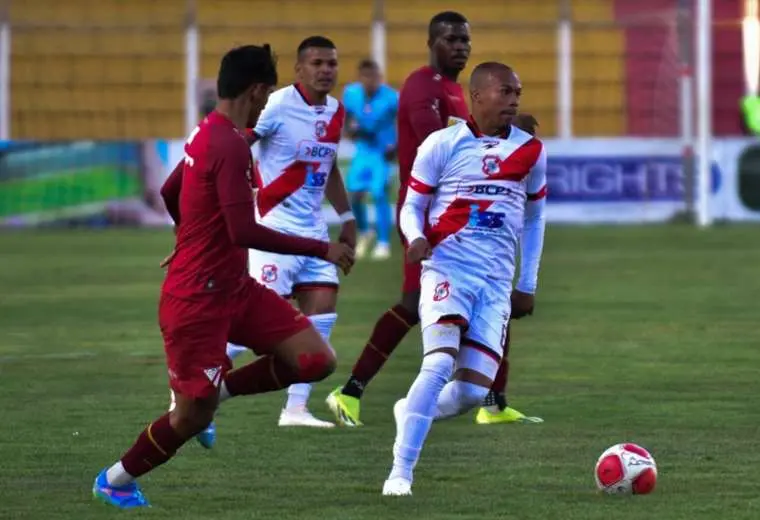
(297, 148)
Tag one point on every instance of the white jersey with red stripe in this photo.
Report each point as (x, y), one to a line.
(479, 186)
(297, 149)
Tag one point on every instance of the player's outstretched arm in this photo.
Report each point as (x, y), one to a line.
(170, 191)
(236, 201)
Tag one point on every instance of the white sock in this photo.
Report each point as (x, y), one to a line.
(458, 397)
(116, 476)
(420, 409)
(298, 394)
(234, 351)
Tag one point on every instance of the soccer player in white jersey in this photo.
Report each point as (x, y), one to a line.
(297, 135)
(476, 193)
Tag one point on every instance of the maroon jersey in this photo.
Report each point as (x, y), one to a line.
(210, 199)
(426, 102)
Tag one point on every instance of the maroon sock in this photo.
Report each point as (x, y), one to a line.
(389, 330)
(155, 445)
(266, 374)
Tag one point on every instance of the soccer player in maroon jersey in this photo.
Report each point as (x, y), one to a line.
(430, 99)
(208, 298)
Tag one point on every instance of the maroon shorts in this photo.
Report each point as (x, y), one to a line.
(412, 272)
(196, 333)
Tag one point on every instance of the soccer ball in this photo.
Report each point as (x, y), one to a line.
(626, 469)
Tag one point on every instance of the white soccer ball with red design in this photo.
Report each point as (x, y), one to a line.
(626, 469)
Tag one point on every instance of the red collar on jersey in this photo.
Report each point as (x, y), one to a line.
(477, 133)
(304, 95)
(302, 91)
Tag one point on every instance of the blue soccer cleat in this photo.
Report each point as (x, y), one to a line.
(207, 438)
(123, 497)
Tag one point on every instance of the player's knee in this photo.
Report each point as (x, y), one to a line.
(439, 365)
(469, 395)
(317, 365)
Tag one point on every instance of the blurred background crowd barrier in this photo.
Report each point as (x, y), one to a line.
(639, 102)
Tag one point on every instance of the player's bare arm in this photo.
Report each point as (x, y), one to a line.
(336, 194)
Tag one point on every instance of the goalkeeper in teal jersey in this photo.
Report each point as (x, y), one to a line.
(371, 108)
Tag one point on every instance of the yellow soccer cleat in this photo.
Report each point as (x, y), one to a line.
(345, 408)
(506, 416)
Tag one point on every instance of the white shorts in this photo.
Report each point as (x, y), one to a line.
(286, 274)
(481, 306)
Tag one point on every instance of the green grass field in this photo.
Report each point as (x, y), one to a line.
(650, 335)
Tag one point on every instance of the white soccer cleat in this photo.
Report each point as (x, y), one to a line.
(302, 417)
(381, 252)
(362, 244)
(397, 487)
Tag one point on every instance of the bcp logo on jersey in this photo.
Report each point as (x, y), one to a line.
(313, 151)
(494, 190)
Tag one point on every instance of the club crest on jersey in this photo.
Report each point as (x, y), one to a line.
(320, 129)
(491, 164)
(442, 291)
(269, 273)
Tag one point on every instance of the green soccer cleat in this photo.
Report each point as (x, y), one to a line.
(506, 416)
(345, 408)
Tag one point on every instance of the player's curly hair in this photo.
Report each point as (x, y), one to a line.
(244, 66)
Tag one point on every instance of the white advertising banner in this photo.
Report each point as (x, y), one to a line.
(631, 180)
